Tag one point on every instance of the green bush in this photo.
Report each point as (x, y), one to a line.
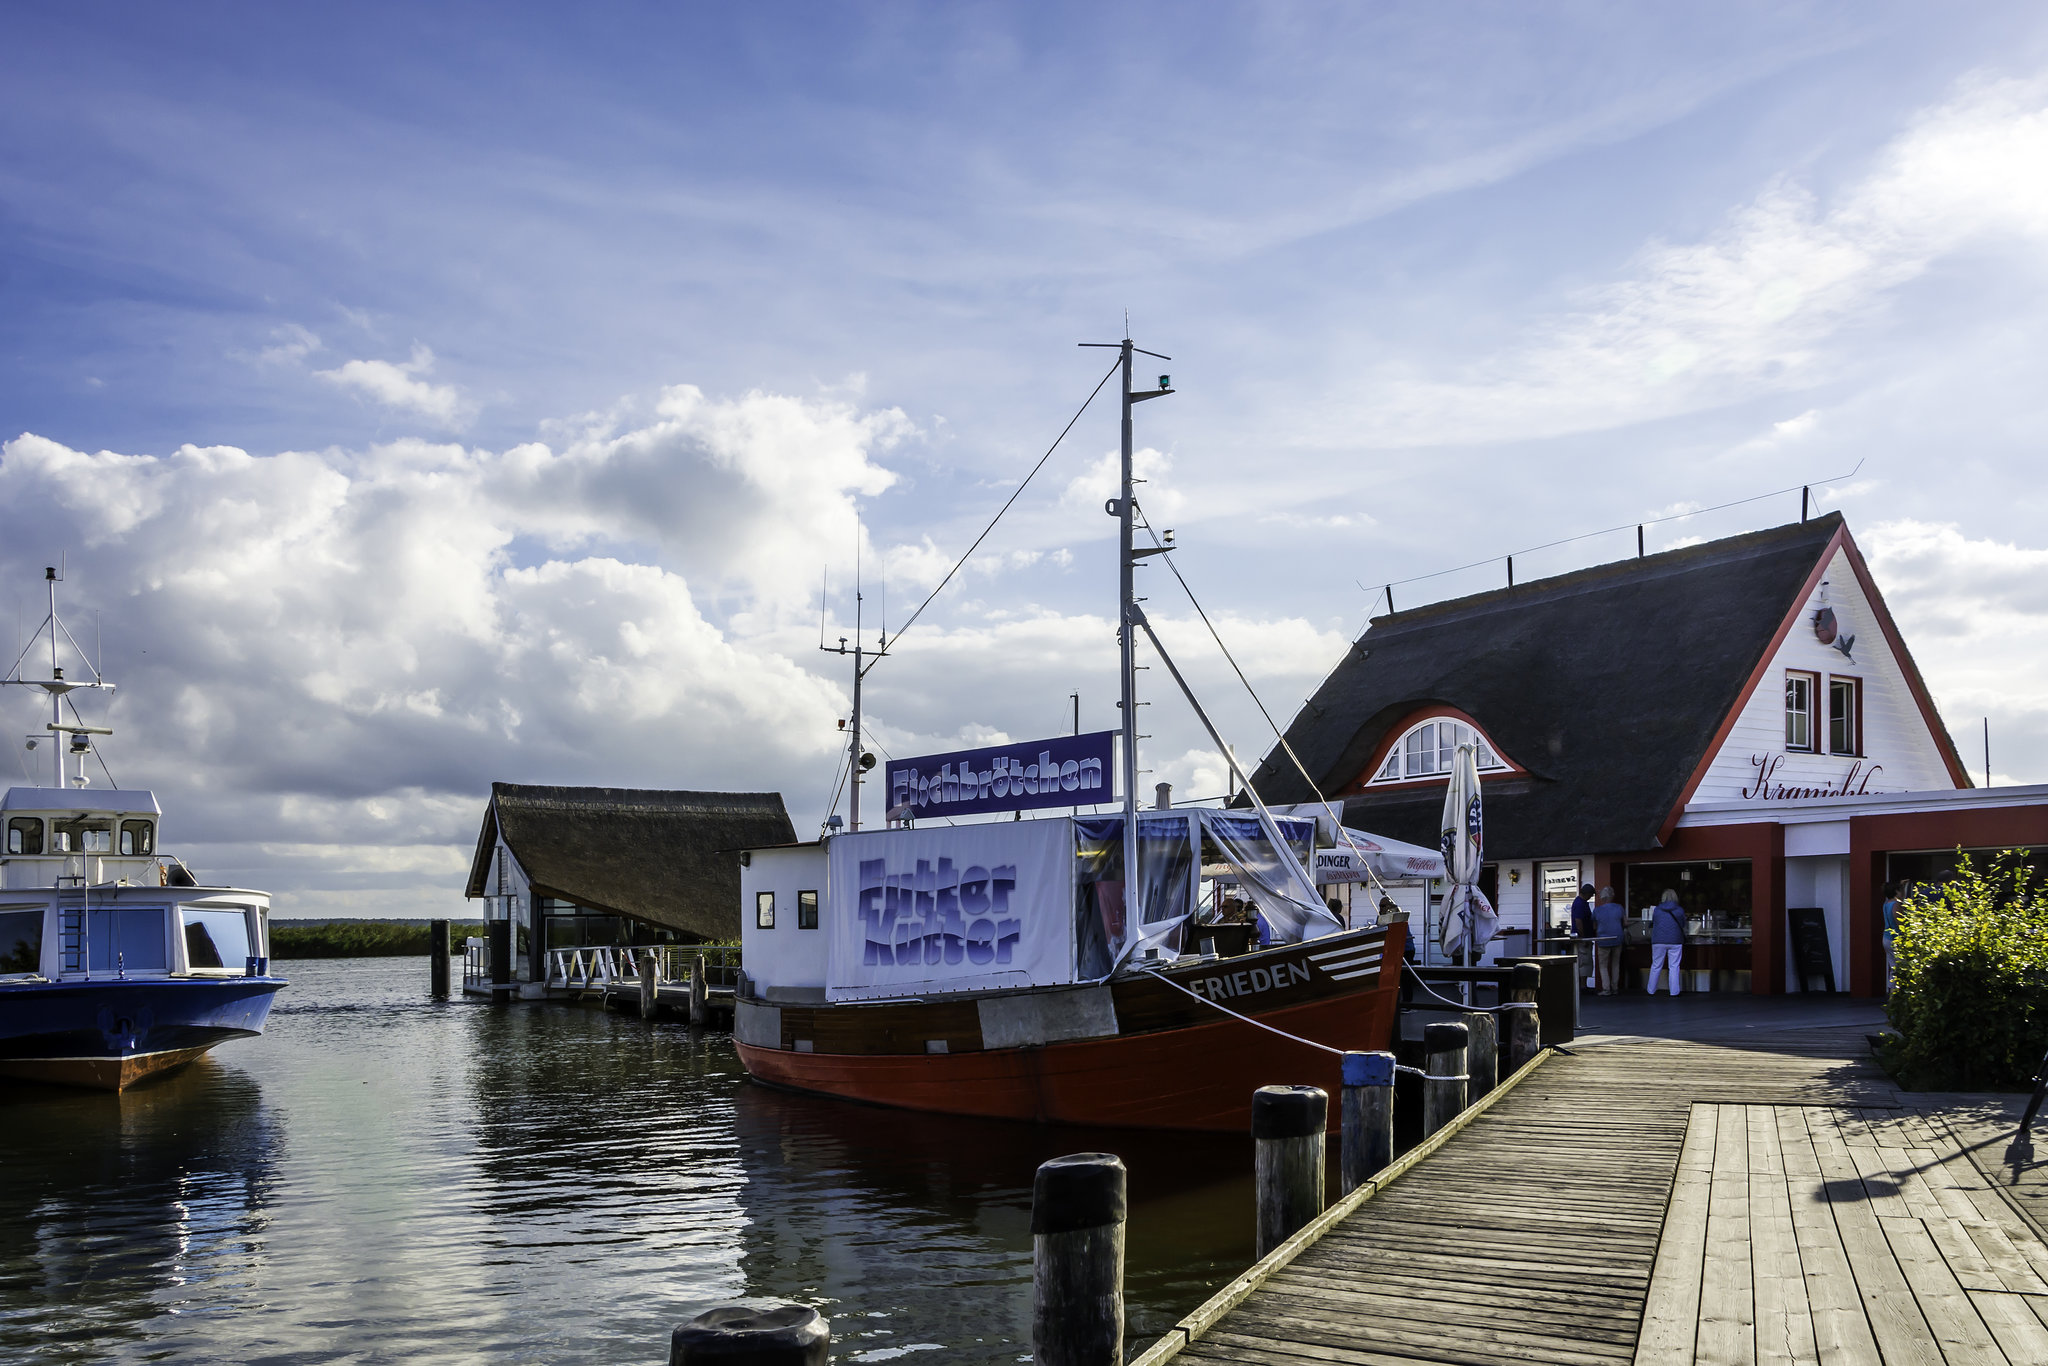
(1970, 984)
(361, 939)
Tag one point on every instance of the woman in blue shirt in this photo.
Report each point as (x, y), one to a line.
(1667, 939)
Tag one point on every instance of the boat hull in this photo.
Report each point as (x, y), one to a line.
(109, 1034)
(1173, 1062)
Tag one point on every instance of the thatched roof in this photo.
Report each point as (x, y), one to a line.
(668, 858)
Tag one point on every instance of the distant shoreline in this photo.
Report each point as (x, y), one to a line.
(360, 938)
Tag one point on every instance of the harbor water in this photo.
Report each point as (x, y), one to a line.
(387, 1178)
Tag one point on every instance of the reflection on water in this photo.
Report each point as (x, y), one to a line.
(386, 1178)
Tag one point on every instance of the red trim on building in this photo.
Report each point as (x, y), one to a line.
(1763, 844)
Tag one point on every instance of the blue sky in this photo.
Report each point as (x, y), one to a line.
(534, 362)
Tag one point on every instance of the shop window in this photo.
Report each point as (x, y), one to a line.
(25, 835)
(138, 837)
(807, 910)
(764, 910)
(1799, 690)
(1845, 716)
(1428, 751)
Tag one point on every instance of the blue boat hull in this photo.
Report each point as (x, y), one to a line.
(113, 1032)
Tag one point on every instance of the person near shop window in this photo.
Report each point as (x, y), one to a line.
(1608, 920)
(1582, 926)
(1667, 939)
(1891, 924)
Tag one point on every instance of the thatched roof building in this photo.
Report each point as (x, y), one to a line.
(667, 859)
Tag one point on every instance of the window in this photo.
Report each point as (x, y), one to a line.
(807, 910)
(122, 940)
(138, 837)
(1799, 689)
(25, 836)
(1428, 750)
(21, 941)
(85, 837)
(1845, 716)
(764, 910)
(216, 939)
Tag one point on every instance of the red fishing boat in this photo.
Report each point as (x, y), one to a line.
(1011, 969)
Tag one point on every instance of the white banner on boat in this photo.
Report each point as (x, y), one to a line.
(951, 908)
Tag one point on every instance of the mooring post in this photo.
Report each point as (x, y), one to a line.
(700, 1006)
(1481, 1053)
(780, 1335)
(1525, 1029)
(1368, 1118)
(437, 959)
(1443, 1081)
(1078, 1207)
(649, 979)
(1288, 1123)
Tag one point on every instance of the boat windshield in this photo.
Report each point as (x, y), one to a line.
(216, 939)
(125, 939)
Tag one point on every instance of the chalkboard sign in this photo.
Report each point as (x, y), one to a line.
(1810, 955)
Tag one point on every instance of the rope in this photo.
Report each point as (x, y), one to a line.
(1292, 1038)
(1409, 968)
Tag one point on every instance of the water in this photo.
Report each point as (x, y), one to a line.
(385, 1178)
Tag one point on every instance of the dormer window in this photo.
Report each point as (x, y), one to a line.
(1429, 749)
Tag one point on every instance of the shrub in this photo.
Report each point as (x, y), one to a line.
(1970, 984)
(360, 939)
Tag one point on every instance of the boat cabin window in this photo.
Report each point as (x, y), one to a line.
(21, 942)
(91, 836)
(138, 837)
(25, 834)
(126, 940)
(807, 910)
(764, 910)
(216, 939)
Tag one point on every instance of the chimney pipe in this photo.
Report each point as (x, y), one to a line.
(1163, 794)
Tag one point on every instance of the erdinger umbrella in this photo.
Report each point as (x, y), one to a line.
(1469, 921)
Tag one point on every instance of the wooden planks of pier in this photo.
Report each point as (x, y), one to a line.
(1813, 1216)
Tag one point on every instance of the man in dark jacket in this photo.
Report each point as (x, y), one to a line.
(1582, 925)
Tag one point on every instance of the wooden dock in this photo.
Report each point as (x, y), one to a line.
(1657, 1201)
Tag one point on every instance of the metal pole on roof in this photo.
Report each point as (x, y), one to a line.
(1802, 502)
(1639, 540)
(1987, 751)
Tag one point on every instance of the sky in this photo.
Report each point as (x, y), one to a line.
(421, 397)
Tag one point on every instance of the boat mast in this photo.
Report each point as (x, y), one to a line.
(56, 697)
(57, 686)
(1127, 643)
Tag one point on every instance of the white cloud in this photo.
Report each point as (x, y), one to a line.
(1754, 307)
(400, 386)
(290, 345)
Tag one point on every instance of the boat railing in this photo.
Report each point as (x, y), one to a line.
(476, 964)
(721, 964)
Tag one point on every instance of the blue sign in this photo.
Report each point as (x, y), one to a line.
(1072, 770)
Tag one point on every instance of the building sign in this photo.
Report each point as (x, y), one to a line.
(951, 908)
(1072, 770)
(1763, 787)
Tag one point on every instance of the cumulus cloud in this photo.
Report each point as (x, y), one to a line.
(397, 386)
(1750, 308)
(326, 657)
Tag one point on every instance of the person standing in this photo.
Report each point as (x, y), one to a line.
(1582, 926)
(1608, 919)
(1667, 939)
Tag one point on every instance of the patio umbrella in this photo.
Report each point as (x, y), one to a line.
(1469, 920)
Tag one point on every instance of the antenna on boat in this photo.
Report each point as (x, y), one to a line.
(1122, 507)
(58, 687)
(858, 760)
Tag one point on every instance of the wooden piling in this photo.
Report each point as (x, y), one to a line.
(437, 959)
(501, 942)
(1443, 1083)
(650, 978)
(700, 1003)
(1288, 1123)
(1524, 1027)
(1078, 1208)
(1367, 1116)
(1481, 1053)
(780, 1335)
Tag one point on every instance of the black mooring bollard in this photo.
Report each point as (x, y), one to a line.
(1368, 1118)
(1078, 1207)
(1443, 1081)
(1481, 1053)
(1525, 1030)
(780, 1335)
(437, 959)
(1288, 1123)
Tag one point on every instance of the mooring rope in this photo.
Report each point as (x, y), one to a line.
(1409, 968)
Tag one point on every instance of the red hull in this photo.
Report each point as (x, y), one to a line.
(1200, 1077)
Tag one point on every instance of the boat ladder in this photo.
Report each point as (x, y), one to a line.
(71, 943)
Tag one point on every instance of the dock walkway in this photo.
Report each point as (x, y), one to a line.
(1767, 1198)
